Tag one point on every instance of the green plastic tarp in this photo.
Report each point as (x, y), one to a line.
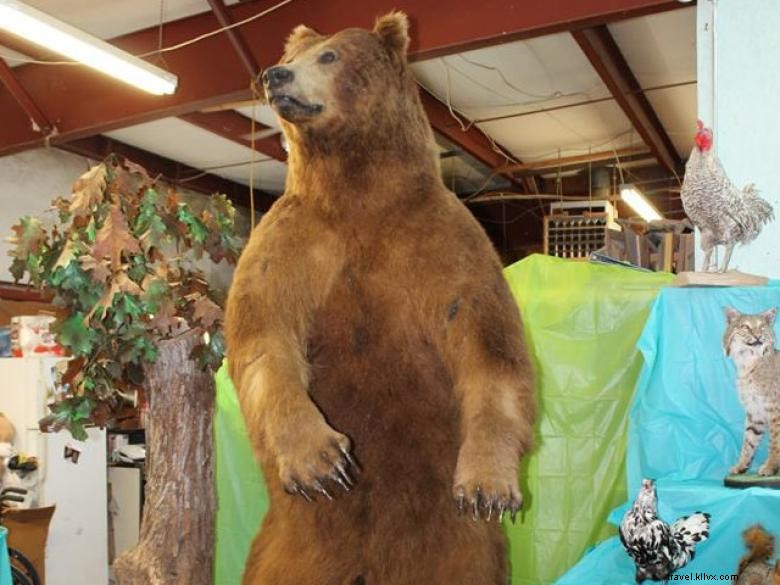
(582, 322)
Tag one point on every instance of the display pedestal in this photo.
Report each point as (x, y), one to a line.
(728, 278)
(747, 480)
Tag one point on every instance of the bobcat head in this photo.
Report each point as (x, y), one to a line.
(749, 336)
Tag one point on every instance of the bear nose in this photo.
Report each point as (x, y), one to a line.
(277, 76)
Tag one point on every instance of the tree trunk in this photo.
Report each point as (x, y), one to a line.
(177, 531)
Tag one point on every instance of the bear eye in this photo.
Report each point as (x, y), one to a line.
(327, 57)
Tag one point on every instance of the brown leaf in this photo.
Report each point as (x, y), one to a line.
(104, 302)
(88, 190)
(138, 170)
(61, 204)
(29, 236)
(165, 318)
(206, 311)
(114, 238)
(209, 220)
(68, 253)
(126, 285)
(98, 269)
(173, 200)
(73, 369)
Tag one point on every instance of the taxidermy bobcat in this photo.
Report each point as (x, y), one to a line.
(750, 341)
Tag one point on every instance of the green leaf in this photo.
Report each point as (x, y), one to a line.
(195, 227)
(77, 337)
(77, 430)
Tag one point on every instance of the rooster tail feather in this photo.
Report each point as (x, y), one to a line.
(752, 214)
(688, 531)
(759, 207)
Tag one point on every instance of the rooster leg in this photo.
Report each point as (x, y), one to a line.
(727, 257)
(707, 264)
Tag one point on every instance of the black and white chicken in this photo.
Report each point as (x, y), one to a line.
(657, 548)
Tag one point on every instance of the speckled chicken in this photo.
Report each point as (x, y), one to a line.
(657, 548)
(724, 214)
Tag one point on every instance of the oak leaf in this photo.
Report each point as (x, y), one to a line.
(98, 269)
(114, 238)
(88, 190)
(206, 311)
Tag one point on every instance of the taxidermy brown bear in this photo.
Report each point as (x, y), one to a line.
(375, 346)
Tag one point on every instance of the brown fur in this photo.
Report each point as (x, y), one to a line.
(369, 312)
(755, 567)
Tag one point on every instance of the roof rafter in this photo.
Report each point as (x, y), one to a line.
(604, 54)
(236, 38)
(39, 120)
(83, 103)
(236, 127)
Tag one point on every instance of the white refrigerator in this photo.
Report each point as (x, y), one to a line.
(77, 548)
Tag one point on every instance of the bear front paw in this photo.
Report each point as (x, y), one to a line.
(488, 498)
(318, 460)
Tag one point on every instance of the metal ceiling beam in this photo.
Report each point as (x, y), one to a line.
(472, 140)
(238, 128)
(569, 161)
(99, 147)
(604, 54)
(236, 38)
(40, 123)
(84, 103)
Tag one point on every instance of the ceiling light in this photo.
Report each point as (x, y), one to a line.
(639, 203)
(46, 31)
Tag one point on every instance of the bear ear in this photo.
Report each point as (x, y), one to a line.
(300, 39)
(393, 29)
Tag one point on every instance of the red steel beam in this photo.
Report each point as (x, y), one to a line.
(39, 120)
(238, 128)
(471, 141)
(99, 147)
(83, 103)
(604, 54)
(236, 38)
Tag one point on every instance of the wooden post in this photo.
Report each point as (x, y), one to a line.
(177, 531)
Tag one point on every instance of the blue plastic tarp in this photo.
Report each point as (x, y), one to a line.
(685, 431)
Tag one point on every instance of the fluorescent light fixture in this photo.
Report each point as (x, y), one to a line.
(639, 203)
(38, 27)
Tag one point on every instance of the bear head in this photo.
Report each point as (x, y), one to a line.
(341, 88)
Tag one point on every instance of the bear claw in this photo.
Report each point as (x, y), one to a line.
(487, 507)
(308, 474)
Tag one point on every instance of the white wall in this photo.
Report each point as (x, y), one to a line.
(28, 182)
(738, 59)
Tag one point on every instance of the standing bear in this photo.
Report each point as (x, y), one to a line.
(377, 352)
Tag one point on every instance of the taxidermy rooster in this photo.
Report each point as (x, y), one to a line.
(657, 548)
(724, 214)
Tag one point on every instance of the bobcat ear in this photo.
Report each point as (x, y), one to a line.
(393, 29)
(769, 316)
(731, 314)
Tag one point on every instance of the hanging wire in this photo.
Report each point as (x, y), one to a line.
(590, 175)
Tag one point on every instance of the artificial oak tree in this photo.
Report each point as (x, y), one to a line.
(121, 256)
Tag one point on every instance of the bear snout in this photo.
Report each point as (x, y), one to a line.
(277, 76)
